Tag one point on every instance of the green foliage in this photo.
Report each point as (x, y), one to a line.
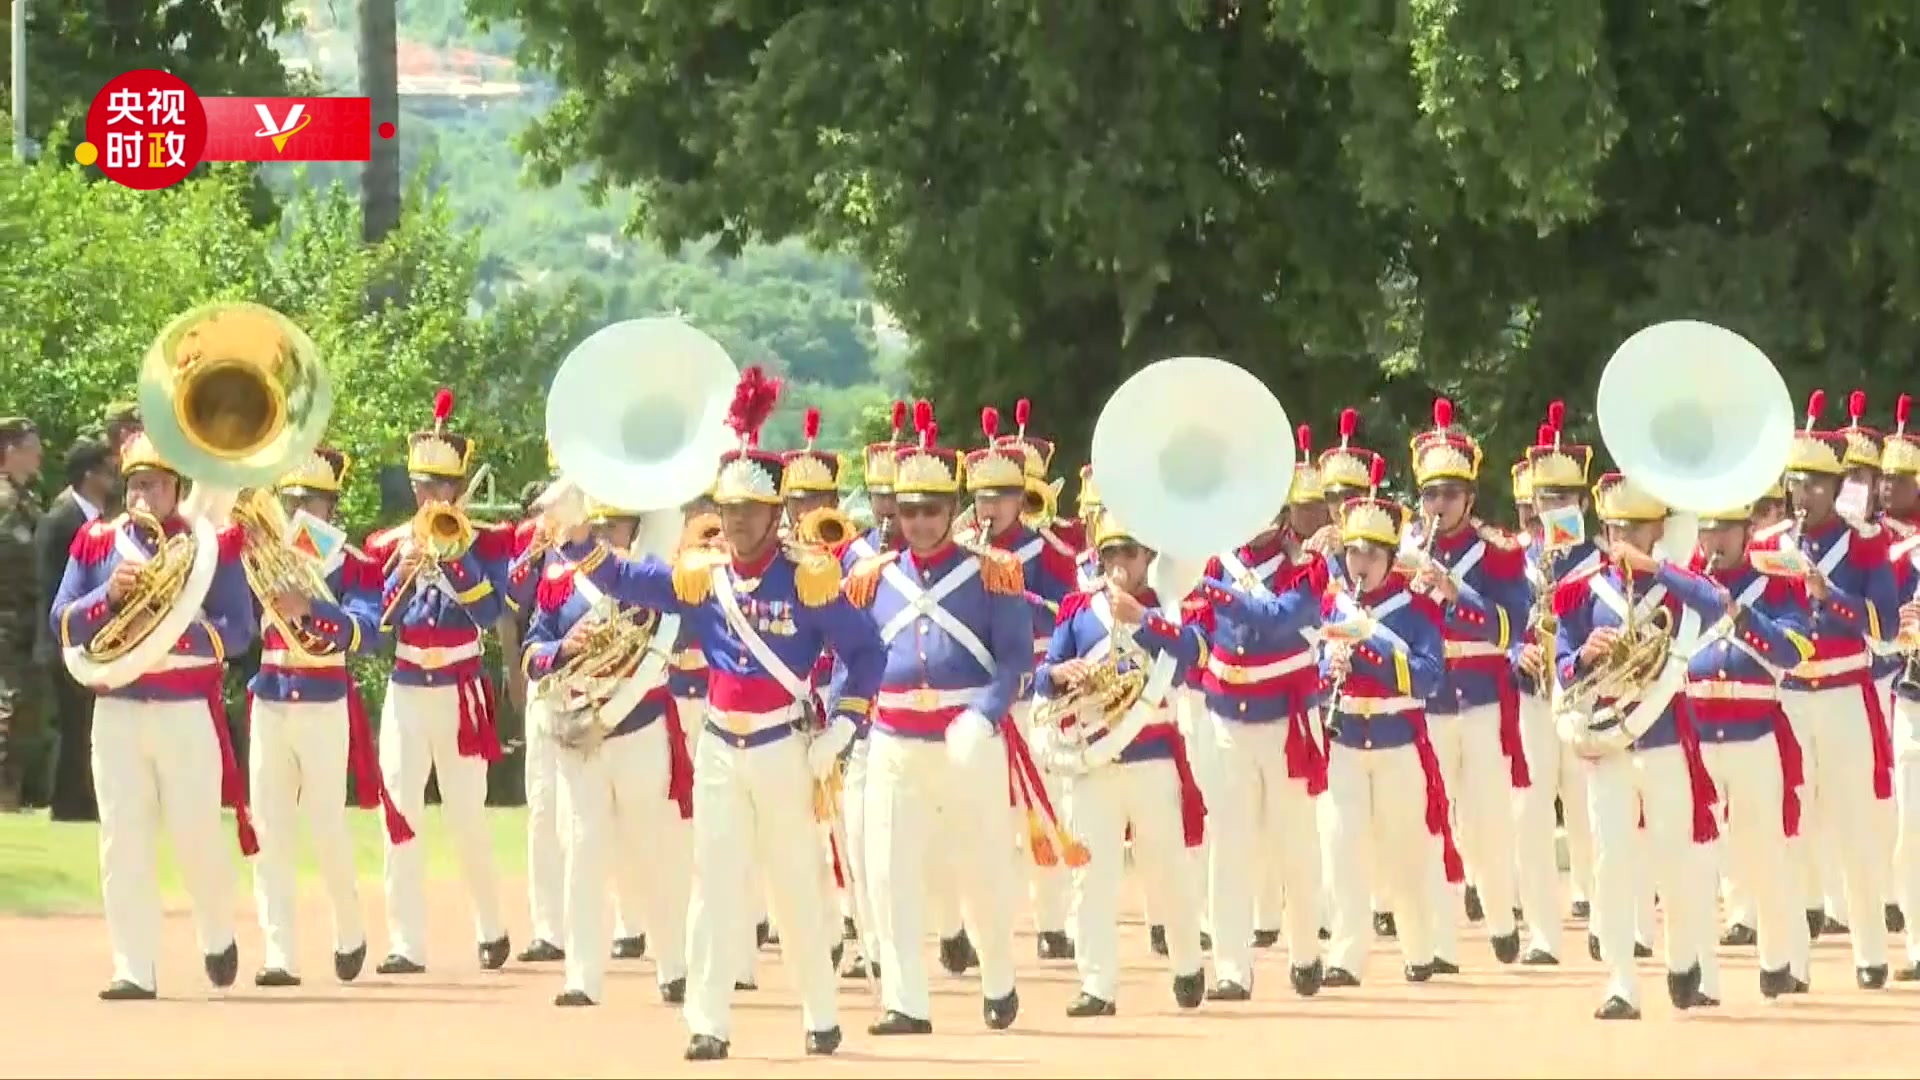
(1367, 203)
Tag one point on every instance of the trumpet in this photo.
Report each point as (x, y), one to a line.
(1543, 624)
(273, 568)
(824, 527)
(440, 532)
(1040, 504)
(158, 583)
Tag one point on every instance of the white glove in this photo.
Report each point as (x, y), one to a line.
(826, 746)
(968, 732)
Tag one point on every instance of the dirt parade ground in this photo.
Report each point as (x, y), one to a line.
(457, 1020)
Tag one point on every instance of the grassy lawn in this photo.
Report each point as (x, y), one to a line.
(47, 868)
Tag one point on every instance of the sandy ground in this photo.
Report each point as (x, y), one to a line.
(457, 1020)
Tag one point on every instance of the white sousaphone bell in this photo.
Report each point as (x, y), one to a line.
(1697, 417)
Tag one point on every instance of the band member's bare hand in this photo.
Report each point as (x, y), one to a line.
(1068, 674)
(1127, 608)
(120, 585)
(291, 605)
(576, 639)
(1910, 613)
(411, 561)
(1625, 554)
(1598, 642)
(1339, 663)
(1533, 658)
(1818, 586)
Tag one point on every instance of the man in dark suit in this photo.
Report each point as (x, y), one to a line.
(92, 480)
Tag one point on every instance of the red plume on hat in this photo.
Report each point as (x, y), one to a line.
(810, 426)
(753, 400)
(1442, 414)
(1349, 423)
(1902, 409)
(1548, 436)
(442, 408)
(1856, 407)
(1376, 475)
(923, 422)
(1816, 404)
(990, 422)
(1303, 438)
(899, 419)
(1022, 409)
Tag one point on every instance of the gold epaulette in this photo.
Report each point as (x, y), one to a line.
(816, 575)
(1496, 536)
(1000, 572)
(693, 574)
(863, 581)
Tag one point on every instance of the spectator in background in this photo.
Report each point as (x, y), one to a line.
(23, 755)
(120, 422)
(93, 480)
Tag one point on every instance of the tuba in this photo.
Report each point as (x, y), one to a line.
(636, 418)
(1699, 418)
(233, 394)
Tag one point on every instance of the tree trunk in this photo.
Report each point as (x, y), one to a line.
(380, 81)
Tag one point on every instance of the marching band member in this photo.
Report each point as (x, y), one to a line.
(1900, 498)
(959, 637)
(1066, 536)
(1260, 683)
(1478, 575)
(154, 744)
(1749, 749)
(1384, 792)
(1143, 785)
(628, 794)
(438, 716)
(1556, 473)
(308, 728)
(1862, 461)
(996, 477)
(1830, 699)
(761, 612)
(546, 865)
(1661, 776)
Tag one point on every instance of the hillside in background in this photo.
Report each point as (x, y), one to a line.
(809, 315)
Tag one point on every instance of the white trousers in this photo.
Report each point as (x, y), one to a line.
(1373, 817)
(1555, 773)
(619, 820)
(1203, 755)
(1618, 787)
(1049, 887)
(546, 881)
(1145, 795)
(920, 799)
(1480, 786)
(1836, 743)
(1753, 842)
(1260, 808)
(853, 806)
(1906, 789)
(155, 761)
(297, 765)
(419, 732)
(753, 808)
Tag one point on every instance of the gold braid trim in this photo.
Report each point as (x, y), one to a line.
(1000, 572)
(816, 575)
(863, 581)
(692, 574)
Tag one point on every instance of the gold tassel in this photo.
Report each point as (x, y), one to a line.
(863, 581)
(693, 575)
(1039, 844)
(1000, 572)
(816, 577)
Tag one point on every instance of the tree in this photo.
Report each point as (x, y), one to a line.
(1365, 203)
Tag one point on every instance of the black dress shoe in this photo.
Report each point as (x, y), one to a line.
(275, 977)
(1339, 977)
(674, 991)
(1306, 980)
(224, 966)
(953, 953)
(836, 954)
(1418, 973)
(823, 1043)
(572, 999)
(1832, 927)
(1871, 978)
(1775, 983)
(1683, 987)
(630, 948)
(1157, 939)
(1189, 990)
(122, 990)
(1228, 990)
(1642, 952)
(1593, 946)
(395, 964)
(1506, 947)
(1325, 934)
(1582, 909)
(1816, 921)
(1738, 935)
(762, 934)
(1910, 973)
(541, 951)
(1475, 912)
(1896, 919)
(1443, 966)
(1055, 945)
(999, 1013)
(1265, 939)
(347, 965)
(848, 929)
(1383, 925)
(1206, 941)
(493, 954)
(1540, 958)
(1088, 1005)
(1616, 1008)
(745, 986)
(899, 1023)
(706, 1048)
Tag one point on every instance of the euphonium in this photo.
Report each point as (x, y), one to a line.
(1630, 664)
(273, 568)
(1112, 686)
(826, 527)
(578, 691)
(160, 581)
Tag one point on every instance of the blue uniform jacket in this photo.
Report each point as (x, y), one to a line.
(969, 647)
(1862, 604)
(1544, 570)
(1086, 622)
(1393, 670)
(560, 605)
(1485, 619)
(347, 626)
(437, 636)
(1260, 660)
(1732, 678)
(769, 598)
(225, 625)
(1050, 576)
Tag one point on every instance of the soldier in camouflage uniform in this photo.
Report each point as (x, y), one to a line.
(20, 711)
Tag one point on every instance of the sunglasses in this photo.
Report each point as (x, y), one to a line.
(921, 510)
